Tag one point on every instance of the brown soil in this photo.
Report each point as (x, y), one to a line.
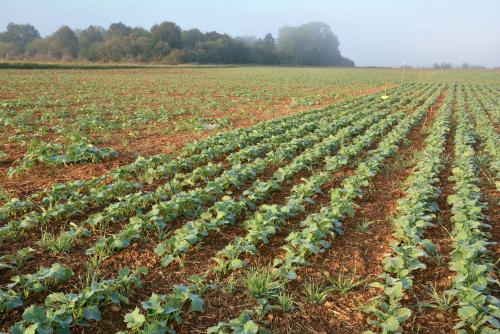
(265, 255)
(355, 252)
(142, 255)
(146, 144)
(195, 262)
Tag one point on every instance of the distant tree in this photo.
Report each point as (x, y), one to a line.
(248, 41)
(221, 50)
(39, 48)
(138, 45)
(446, 65)
(346, 62)
(175, 57)
(88, 39)
(113, 49)
(265, 51)
(64, 43)
(5, 48)
(190, 38)
(138, 32)
(436, 65)
(465, 66)
(310, 44)
(142, 48)
(213, 36)
(119, 30)
(269, 41)
(167, 32)
(90, 35)
(161, 49)
(18, 36)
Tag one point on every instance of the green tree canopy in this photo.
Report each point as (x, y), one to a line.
(88, 39)
(167, 32)
(64, 43)
(119, 30)
(18, 36)
(310, 44)
(191, 37)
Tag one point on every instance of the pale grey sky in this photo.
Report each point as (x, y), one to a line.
(371, 32)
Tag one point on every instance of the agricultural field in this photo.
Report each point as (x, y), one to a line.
(249, 200)
(110, 117)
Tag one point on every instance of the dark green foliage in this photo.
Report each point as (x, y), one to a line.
(310, 44)
(14, 40)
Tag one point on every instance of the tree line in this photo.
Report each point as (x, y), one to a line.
(464, 66)
(311, 44)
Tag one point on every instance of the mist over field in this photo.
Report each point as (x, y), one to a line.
(370, 33)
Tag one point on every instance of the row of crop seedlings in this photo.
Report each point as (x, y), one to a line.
(104, 194)
(115, 210)
(13, 300)
(187, 203)
(190, 203)
(489, 137)
(490, 100)
(320, 227)
(49, 310)
(195, 230)
(297, 139)
(226, 211)
(137, 202)
(475, 281)
(92, 259)
(161, 166)
(149, 169)
(260, 227)
(169, 169)
(367, 119)
(415, 212)
(155, 167)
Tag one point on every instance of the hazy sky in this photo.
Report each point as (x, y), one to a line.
(371, 32)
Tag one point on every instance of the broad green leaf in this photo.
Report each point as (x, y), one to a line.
(250, 327)
(92, 313)
(467, 312)
(34, 314)
(391, 324)
(196, 303)
(403, 314)
(134, 319)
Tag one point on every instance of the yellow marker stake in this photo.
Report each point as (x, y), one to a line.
(385, 97)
